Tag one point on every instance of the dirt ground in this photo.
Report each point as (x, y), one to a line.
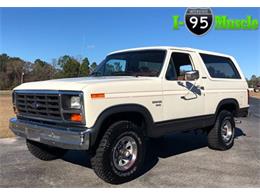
(6, 112)
(255, 95)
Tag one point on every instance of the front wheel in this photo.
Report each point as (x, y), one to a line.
(44, 152)
(221, 136)
(120, 154)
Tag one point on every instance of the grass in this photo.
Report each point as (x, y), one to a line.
(6, 112)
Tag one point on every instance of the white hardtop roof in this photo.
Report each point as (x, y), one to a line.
(170, 48)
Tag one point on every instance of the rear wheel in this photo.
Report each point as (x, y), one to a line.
(221, 136)
(120, 154)
(44, 152)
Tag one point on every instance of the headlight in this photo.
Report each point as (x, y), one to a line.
(75, 102)
(73, 107)
(71, 102)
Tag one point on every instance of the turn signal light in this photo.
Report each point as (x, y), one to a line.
(76, 117)
(97, 95)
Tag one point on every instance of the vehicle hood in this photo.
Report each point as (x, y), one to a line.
(79, 84)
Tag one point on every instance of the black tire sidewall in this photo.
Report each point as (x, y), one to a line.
(44, 152)
(223, 116)
(103, 163)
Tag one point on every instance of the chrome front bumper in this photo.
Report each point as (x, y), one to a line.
(62, 137)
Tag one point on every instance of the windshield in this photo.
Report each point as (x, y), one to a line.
(133, 63)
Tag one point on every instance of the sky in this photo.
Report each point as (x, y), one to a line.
(48, 33)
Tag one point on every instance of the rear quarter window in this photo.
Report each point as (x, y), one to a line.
(220, 67)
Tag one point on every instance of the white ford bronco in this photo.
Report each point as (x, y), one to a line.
(132, 95)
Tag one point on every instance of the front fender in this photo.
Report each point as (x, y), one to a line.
(123, 108)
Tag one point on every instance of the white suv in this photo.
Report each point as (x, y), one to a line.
(133, 94)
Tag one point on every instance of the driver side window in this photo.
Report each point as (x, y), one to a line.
(178, 65)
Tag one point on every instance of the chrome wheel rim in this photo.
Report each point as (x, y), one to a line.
(226, 131)
(125, 153)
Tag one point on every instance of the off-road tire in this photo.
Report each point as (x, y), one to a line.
(215, 140)
(102, 160)
(44, 152)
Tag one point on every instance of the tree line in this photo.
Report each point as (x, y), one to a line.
(253, 81)
(14, 70)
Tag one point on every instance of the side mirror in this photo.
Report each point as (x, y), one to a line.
(192, 75)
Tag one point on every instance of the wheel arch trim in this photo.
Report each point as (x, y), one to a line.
(227, 101)
(122, 108)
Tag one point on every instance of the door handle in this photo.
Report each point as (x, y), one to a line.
(185, 98)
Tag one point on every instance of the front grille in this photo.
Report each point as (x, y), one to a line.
(39, 105)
